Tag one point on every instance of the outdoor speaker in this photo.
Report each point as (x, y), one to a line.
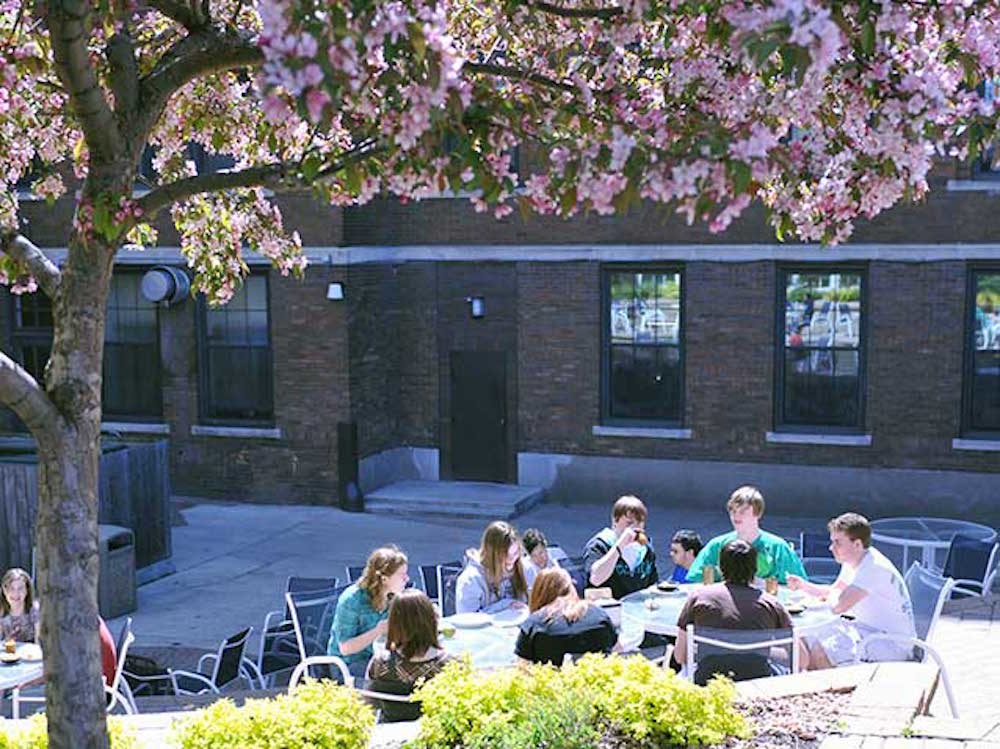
(165, 284)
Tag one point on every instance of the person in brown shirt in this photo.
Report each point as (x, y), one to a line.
(731, 604)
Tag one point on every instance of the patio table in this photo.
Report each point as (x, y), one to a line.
(662, 620)
(13, 676)
(930, 535)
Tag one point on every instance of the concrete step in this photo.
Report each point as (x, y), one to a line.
(458, 499)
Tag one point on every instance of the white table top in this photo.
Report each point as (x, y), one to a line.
(21, 672)
(662, 619)
(920, 531)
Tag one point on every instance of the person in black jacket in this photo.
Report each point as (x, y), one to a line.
(561, 623)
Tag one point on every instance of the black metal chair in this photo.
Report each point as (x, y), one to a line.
(447, 579)
(577, 569)
(817, 559)
(972, 563)
(228, 665)
(429, 579)
(354, 572)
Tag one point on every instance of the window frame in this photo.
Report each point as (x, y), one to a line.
(782, 271)
(607, 270)
(201, 336)
(123, 417)
(966, 428)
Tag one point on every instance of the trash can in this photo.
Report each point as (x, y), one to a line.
(116, 581)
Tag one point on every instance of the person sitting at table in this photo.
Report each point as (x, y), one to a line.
(732, 604)
(621, 556)
(561, 623)
(684, 547)
(363, 608)
(775, 558)
(536, 557)
(18, 607)
(493, 578)
(869, 588)
(413, 653)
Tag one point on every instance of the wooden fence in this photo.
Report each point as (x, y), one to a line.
(134, 492)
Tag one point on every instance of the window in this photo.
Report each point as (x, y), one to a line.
(235, 357)
(131, 388)
(644, 352)
(820, 363)
(31, 333)
(982, 401)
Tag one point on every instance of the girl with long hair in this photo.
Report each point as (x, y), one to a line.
(493, 578)
(560, 622)
(363, 608)
(18, 607)
(413, 650)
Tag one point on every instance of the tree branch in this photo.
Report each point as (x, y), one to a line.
(268, 175)
(69, 30)
(20, 392)
(275, 176)
(20, 248)
(202, 52)
(517, 74)
(180, 12)
(558, 10)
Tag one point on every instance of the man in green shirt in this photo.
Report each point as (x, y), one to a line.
(775, 558)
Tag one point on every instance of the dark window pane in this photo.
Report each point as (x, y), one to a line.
(644, 361)
(237, 361)
(821, 387)
(131, 386)
(986, 391)
(821, 365)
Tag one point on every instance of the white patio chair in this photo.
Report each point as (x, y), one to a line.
(312, 619)
(303, 669)
(277, 651)
(742, 653)
(928, 593)
(972, 563)
(392, 702)
(117, 692)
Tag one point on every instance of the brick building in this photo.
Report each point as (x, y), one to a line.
(592, 357)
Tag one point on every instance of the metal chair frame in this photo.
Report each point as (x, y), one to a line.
(693, 639)
(246, 669)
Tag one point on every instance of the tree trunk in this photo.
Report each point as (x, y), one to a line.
(67, 512)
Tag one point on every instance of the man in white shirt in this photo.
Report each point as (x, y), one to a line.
(869, 590)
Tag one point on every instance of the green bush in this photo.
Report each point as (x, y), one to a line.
(572, 708)
(35, 735)
(318, 715)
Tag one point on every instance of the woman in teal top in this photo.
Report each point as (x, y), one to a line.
(775, 558)
(363, 609)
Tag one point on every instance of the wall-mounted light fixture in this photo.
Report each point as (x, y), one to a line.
(335, 292)
(477, 307)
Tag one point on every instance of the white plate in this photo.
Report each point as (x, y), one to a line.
(472, 620)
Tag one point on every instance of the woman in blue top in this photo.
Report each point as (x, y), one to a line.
(363, 609)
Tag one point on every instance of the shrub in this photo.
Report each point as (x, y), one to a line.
(318, 715)
(572, 708)
(35, 735)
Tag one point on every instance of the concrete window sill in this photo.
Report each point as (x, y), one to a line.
(801, 438)
(978, 445)
(135, 427)
(642, 432)
(247, 433)
(974, 185)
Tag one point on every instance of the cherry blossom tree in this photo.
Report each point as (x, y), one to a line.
(823, 110)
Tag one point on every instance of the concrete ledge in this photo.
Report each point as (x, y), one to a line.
(642, 432)
(818, 438)
(973, 185)
(199, 430)
(984, 445)
(135, 427)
